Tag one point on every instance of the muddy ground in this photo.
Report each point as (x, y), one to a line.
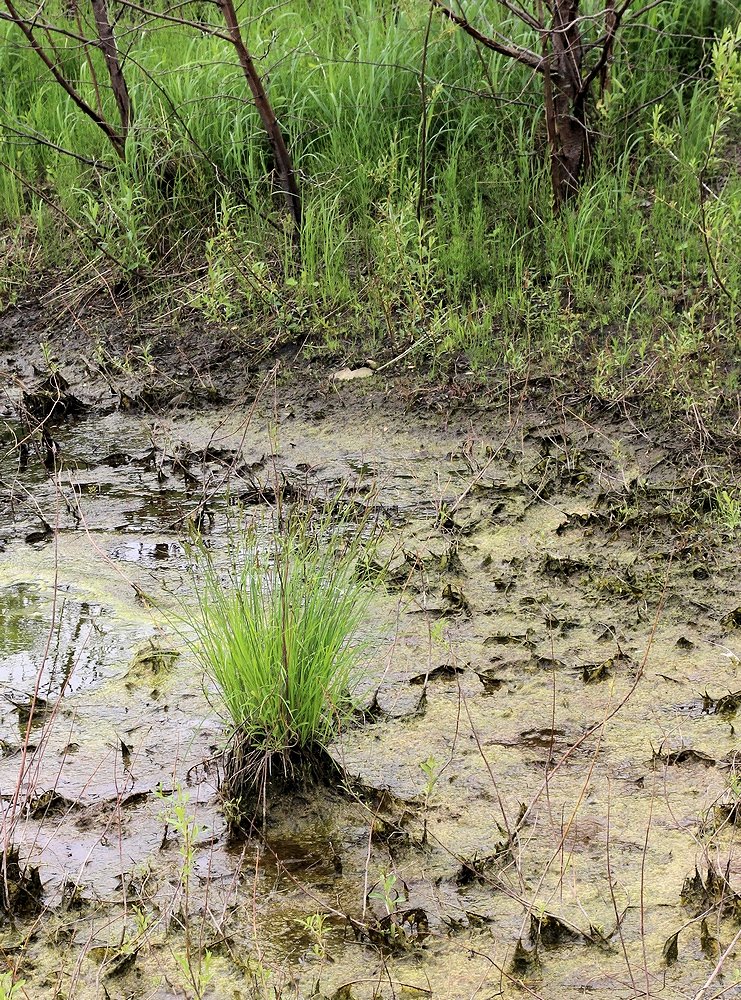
(541, 797)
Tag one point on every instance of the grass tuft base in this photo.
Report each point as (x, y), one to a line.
(252, 777)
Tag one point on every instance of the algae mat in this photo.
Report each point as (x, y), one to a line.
(542, 789)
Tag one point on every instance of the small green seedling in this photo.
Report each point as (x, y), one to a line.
(10, 989)
(430, 768)
(387, 893)
(194, 964)
(728, 510)
(316, 927)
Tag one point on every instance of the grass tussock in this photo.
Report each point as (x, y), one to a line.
(275, 629)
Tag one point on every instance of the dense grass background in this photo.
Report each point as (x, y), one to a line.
(486, 269)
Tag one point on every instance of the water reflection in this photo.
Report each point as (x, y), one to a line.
(149, 554)
(65, 645)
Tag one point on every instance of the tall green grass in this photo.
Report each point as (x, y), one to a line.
(275, 630)
(488, 269)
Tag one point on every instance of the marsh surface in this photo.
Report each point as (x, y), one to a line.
(557, 641)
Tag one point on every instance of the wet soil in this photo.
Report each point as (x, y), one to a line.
(542, 789)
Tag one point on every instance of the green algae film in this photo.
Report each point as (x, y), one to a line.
(542, 643)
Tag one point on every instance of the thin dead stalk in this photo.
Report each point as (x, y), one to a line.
(718, 968)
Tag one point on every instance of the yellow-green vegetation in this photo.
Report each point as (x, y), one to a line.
(421, 157)
(10, 988)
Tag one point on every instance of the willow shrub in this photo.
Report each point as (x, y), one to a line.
(275, 628)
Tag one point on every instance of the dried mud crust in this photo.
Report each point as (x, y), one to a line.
(543, 774)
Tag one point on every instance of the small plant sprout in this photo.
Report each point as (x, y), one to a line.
(399, 927)
(51, 364)
(430, 768)
(315, 926)
(728, 510)
(274, 631)
(10, 989)
(734, 787)
(180, 820)
(386, 892)
(196, 975)
(194, 964)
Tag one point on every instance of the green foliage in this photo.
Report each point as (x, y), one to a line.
(727, 508)
(703, 163)
(485, 268)
(430, 768)
(386, 891)
(193, 962)
(316, 926)
(274, 628)
(10, 988)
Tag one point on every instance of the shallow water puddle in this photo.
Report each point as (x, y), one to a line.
(61, 644)
(546, 754)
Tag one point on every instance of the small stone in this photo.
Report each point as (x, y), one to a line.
(347, 374)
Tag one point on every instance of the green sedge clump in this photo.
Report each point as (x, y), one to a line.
(274, 629)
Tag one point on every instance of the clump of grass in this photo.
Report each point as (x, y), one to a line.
(274, 629)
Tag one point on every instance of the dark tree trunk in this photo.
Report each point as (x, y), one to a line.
(281, 155)
(565, 105)
(27, 27)
(113, 65)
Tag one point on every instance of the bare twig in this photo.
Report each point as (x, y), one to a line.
(116, 140)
